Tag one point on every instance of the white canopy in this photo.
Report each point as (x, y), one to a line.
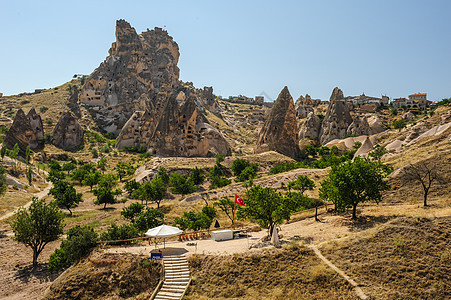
(163, 231)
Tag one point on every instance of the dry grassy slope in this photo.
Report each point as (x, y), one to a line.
(290, 273)
(130, 276)
(407, 258)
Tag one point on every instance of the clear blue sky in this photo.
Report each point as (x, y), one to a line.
(242, 47)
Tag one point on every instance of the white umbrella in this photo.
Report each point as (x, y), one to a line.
(275, 236)
(163, 231)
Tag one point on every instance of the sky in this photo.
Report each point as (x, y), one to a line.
(392, 48)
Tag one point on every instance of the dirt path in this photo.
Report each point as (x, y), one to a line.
(39, 195)
(358, 290)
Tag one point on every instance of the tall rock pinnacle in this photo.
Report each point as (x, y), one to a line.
(280, 131)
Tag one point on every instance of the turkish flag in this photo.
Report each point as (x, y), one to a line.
(239, 201)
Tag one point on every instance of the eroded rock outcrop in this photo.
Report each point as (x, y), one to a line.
(336, 121)
(68, 133)
(280, 133)
(137, 69)
(359, 126)
(26, 130)
(337, 94)
(311, 127)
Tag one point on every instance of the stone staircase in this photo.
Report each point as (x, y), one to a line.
(176, 278)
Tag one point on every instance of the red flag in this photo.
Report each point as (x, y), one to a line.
(239, 201)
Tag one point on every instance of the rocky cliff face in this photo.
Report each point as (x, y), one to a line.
(68, 133)
(138, 68)
(280, 133)
(359, 126)
(26, 130)
(311, 128)
(336, 121)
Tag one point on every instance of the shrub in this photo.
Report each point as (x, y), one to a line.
(116, 233)
(181, 185)
(43, 109)
(399, 124)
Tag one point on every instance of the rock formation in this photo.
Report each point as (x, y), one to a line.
(26, 130)
(365, 148)
(359, 126)
(336, 121)
(337, 94)
(138, 68)
(280, 133)
(68, 133)
(311, 128)
(180, 131)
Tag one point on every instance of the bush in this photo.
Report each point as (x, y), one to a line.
(399, 124)
(218, 182)
(181, 185)
(197, 176)
(284, 167)
(248, 173)
(117, 233)
(43, 109)
(239, 165)
(79, 243)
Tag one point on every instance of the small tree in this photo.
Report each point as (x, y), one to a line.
(65, 195)
(36, 227)
(148, 218)
(249, 173)
(132, 211)
(302, 184)
(239, 165)
(79, 243)
(3, 151)
(104, 191)
(197, 176)
(27, 155)
(92, 179)
(378, 152)
(30, 176)
(121, 170)
(69, 166)
(131, 186)
(228, 207)
(151, 191)
(13, 154)
(3, 184)
(181, 185)
(266, 207)
(354, 182)
(425, 173)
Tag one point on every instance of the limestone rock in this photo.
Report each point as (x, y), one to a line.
(280, 133)
(138, 67)
(365, 148)
(408, 116)
(26, 130)
(336, 120)
(375, 124)
(186, 132)
(359, 126)
(311, 128)
(68, 133)
(337, 94)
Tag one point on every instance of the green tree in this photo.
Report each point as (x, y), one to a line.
(30, 176)
(163, 174)
(13, 155)
(399, 124)
(239, 165)
(79, 243)
(36, 227)
(312, 150)
(357, 145)
(153, 191)
(55, 175)
(181, 185)
(148, 218)
(266, 207)
(378, 152)
(249, 173)
(3, 151)
(302, 184)
(69, 166)
(354, 182)
(121, 169)
(228, 207)
(104, 191)
(102, 164)
(131, 186)
(3, 184)
(27, 155)
(123, 232)
(132, 211)
(197, 176)
(91, 179)
(65, 195)
(196, 221)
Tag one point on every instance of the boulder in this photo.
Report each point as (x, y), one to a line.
(408, 116)
(375, 124)
(26, 130)
(280, 133)
(68, 133)
(365, 148)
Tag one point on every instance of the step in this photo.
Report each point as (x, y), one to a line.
(157, 297)
(170, 294)
(176, 266)
(174, 286)
(172, 290)
(182, 280)
(176, 283)
(175, 269)
(176, 273)
(170, 263)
